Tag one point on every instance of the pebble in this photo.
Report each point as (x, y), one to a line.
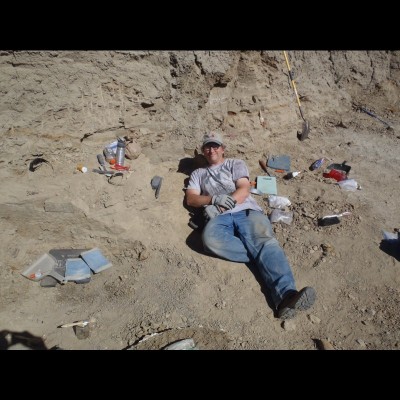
(143, 255)
(109, 203)
(220, 305)
(288, 325)
(361, 342)
(313, 319)
(323, 344)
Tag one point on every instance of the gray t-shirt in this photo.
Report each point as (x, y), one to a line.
(221, 179)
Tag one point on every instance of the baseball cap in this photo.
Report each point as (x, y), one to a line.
(212, 137)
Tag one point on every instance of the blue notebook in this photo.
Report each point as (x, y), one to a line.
(95, 259)
(76, 269)
(279, 162)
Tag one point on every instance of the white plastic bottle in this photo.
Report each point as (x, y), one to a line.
(120, 156)
(291, 175)
(109, 155)
(81, 168)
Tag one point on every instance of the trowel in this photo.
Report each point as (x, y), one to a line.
(156, 184)
(103, 169)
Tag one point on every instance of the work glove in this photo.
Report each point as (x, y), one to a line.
(223, 200)
(211, 212)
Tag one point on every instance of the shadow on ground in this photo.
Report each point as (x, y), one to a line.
(10, 340)
(391, 247)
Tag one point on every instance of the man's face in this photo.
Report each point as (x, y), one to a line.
(213, 152)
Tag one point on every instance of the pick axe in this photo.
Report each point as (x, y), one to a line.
(306, 125)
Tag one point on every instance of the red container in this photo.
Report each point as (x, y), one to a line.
(335, 174)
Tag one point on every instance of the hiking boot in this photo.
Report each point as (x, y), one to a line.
(295, 300)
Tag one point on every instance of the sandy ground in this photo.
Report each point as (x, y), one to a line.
(66, 106)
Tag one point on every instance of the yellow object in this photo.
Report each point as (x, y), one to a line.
(293, 83)
(81, 168)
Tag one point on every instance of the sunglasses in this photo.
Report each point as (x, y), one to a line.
(209, 146)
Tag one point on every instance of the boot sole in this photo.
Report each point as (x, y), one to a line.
(305, 300)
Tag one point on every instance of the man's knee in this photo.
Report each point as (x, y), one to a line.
(261, 225)
(207, 241)
(211, 240)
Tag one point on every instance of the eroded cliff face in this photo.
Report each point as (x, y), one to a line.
(173, 97)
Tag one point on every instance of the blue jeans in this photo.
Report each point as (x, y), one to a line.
(247, 236)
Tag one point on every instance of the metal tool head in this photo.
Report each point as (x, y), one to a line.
(155, 181)
(156, 184)
(305, 131)
(101, 159)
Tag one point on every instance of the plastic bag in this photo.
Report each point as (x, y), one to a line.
(390, 235)
(349, 184)
(278, 201)
(185, 344)
(281, 216)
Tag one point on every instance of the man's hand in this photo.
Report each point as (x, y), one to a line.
(211, 212)
(223, 200)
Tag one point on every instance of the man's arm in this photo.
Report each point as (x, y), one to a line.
(195, 199)
(242, 190)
